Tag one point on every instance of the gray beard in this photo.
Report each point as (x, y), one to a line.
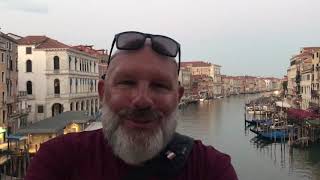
(135, 146)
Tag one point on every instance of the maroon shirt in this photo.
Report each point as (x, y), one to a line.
(86, 156)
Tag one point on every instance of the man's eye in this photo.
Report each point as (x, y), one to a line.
(160, 86)
(127, 82)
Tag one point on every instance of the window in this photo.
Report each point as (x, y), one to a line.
(69, 62)
(91, 85)
(23, 122)
(56, 86)
(7, 61)
(2, 57)
(77, 106)
(28, 50)
(29, 66)
(82, 105)
(10, 88)
(76, 85)
(2, 76)
(75, 64)
(40, 108)
(71, 106)
(29, 87)
(10, 63)
(17, 64)
(56, 63)
(70, 85)
(3, 116)
(2, 97)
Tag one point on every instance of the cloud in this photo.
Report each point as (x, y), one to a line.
(30, 6)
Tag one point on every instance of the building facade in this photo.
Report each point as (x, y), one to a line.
(185, 79)
(302, 76)
(206, 70)
(56, 77)
(13, 113)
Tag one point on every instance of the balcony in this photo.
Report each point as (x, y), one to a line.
(71, 72)
(73, 95)
(307, 68)
(19, 112)
(315, 93)
(22, 94)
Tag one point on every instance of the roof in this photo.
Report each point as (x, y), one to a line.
(6, 36)
(56, 123)
(195, 64)
(90, 50)
(94, 126)
(310, 49)
(303, 55)
(42, 42)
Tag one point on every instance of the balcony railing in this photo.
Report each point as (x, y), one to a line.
(307, 68)
(72, 95)
(19, 112)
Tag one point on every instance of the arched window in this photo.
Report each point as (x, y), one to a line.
(82, 105)
(71, 106)
(76, 85)
(75, 63)
(56, 63)
(69, 62)
(70, 85)
(56, 86)
(28, 66)
(77, 106)
(29, 87)
(91, 85)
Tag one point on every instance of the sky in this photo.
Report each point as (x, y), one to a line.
(245, 37)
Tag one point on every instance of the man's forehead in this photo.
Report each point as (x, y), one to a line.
(145, 53)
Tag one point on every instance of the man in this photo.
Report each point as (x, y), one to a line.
(140, 96)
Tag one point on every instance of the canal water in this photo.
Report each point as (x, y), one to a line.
(220, 123)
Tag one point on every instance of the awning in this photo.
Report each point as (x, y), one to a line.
(16, 137)
(315, 122)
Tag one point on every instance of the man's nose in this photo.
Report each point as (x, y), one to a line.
(142, 98)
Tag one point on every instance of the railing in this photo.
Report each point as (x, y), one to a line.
(68, 71)
(22, 93)
(307, 67)
(19, 112)
(72, 95)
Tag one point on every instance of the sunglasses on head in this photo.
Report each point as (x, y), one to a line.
(132, 40)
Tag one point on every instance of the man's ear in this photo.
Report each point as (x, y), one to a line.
(101, 89)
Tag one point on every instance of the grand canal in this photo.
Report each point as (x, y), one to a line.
(220, 123)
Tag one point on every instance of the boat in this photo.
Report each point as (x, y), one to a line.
(276, 135)
(258, 122)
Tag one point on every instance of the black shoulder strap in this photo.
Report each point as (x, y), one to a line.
(170, 161)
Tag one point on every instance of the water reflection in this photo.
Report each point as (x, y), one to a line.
(221, 123)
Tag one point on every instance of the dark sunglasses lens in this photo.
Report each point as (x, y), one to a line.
(165, 46)
(130, 40)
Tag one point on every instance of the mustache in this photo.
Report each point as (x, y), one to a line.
(140, 114)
